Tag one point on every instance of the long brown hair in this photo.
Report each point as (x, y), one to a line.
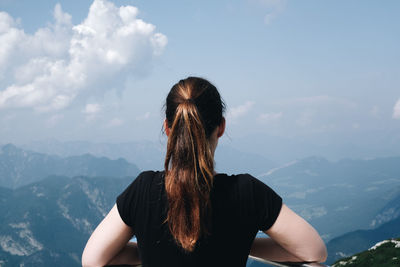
(193, 111)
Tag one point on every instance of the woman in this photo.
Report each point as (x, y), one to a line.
(187, 215)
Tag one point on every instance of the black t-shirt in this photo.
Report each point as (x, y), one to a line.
(241, 206)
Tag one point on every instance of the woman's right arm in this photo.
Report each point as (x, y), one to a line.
(292, 239)
(109, 243)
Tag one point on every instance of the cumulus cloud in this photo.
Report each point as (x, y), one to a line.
(396, 110)
(239, 111)
(49, 69)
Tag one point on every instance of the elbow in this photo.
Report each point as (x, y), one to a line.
(324, 255)
(90, 263)
(86, 262)
(318, 255)
(90, 260)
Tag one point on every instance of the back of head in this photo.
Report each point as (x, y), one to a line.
(194, 109)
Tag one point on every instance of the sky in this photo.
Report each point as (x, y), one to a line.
(319, 73)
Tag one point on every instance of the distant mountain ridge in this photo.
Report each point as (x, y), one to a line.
(20, 167)
(149, 155)
(339, 197)
(145, 154)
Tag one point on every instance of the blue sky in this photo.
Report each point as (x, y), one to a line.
(323, 72)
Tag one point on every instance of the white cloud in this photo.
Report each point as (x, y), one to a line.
(52, 67)
(115, 122)
(240, 111)
(272, 7)
(270, 117)
(396, 110)
(91, 110)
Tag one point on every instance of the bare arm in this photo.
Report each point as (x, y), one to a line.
(292, 239)
(129, 255)
(266, 248)
(108, 244)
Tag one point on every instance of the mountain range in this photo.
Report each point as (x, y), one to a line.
(21, 167)
(149, 155)
(340, 197)
(50, 204)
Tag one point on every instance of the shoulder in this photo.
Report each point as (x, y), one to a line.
(143, 181)
(242, 179)
(148, 173)
(137, 194)
(250, 185)
(148, 176)
(243, 183)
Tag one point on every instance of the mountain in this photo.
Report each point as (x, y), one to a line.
(147, 155)
(281, 148)
(335, 197)
(20, 167)
(359, 240)
(339, 197)
(383, 254)
(48, 223)
(150, 155)
(389, 212)
(232, 161)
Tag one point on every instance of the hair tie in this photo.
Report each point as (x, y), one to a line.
(189, 101)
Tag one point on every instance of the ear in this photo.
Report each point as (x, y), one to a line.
(166, 127)
(221, 128)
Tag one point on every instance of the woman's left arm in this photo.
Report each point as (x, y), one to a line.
(108, 244)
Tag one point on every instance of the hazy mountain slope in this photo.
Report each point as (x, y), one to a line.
(20, 167)
(383, 254)
(48, 223)
(372, 144)
(232, 161)
(389, 212)
(338, 197)
(353, 242)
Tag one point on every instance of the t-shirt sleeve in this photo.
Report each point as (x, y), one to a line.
(128, 201)
(268, 205)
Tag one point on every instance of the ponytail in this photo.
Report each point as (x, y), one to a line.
(189, 167)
